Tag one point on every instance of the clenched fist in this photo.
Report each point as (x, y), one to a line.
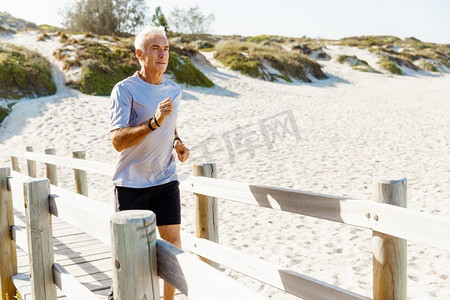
(165, 109)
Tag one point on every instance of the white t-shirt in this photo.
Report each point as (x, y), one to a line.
(150, 162)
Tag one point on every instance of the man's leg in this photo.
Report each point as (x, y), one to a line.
(170, 233)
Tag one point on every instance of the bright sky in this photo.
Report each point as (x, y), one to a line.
(427, 20)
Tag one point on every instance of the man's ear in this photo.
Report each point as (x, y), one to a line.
(138, 53)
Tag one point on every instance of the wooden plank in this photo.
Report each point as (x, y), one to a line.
(196, 279)
(284, 279)
(133, 233)
(69, 285)
(87, 268)
(389, 252)
(95, 277)
(93, 258)
(206, 211)
(73, 163)
(395, 221)
(328, 207)
(31, 164)
(20, 237)
(8, 255)
(411, 225)
(81, 186)
(15, 164)
(80, 251)
(40, 239)
(74, 240)
(23, 285)
(83, 213)
(51, 170)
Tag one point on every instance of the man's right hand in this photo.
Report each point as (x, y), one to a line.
(165, 109)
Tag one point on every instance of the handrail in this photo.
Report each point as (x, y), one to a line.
(74, 163)
(339, 209)
(389, 219)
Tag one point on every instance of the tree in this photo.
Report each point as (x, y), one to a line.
(190, 21)
(159, 19)
(106, 17)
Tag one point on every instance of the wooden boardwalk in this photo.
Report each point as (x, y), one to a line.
(86, 258)
(83, 256)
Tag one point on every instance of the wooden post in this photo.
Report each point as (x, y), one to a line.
(31, 164)
(389, 252)
(15, 164)
(51, 169)
(80, 175)
(8, 255)
(40, 238)
(206, 215)
(133, 242)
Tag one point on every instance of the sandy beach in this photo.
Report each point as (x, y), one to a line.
(332, 136)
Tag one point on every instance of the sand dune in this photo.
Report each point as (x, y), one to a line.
(332, 136)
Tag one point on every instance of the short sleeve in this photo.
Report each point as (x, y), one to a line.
(120, 109)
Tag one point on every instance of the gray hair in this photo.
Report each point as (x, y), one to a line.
(145, 34)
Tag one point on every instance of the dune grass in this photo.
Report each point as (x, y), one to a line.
(249, 58)
(24, 73)
(370, 41)
(356, 63)
(184, 71)
(102, 65)
(106, 60)
(390, 66)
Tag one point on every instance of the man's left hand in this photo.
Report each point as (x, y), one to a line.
(182, 151)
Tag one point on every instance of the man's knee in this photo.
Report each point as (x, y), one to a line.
(170, 233)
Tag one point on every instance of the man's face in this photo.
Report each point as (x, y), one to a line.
(156, 54)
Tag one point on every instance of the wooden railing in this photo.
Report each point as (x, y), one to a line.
(390, 223)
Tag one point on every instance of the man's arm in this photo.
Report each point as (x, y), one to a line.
(123, 138)
(180, 148)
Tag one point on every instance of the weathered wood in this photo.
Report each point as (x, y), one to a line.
(22, 283)
(15, 164)
(40, 238)
(329, 207)
(81, 186)
(412, 225)
(133, 240)
(82, 213)
(8, 255)
(281, 278)
(196, 279)
(52, 173)
(20, 237)
(73, 163)
(389, 252)
(70, 286)
(206, 211)
(31, 164)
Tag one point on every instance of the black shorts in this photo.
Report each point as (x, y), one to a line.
(163, 200)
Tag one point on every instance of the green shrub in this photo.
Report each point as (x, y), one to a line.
(370, 41)
(106, 63)
(98, 78)
(266, 38)
(237, 61)
(24, 73)
(4, 112)
(249, 57)
(428, 66)
(390, 66)
(185, 72)
(102, 66)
